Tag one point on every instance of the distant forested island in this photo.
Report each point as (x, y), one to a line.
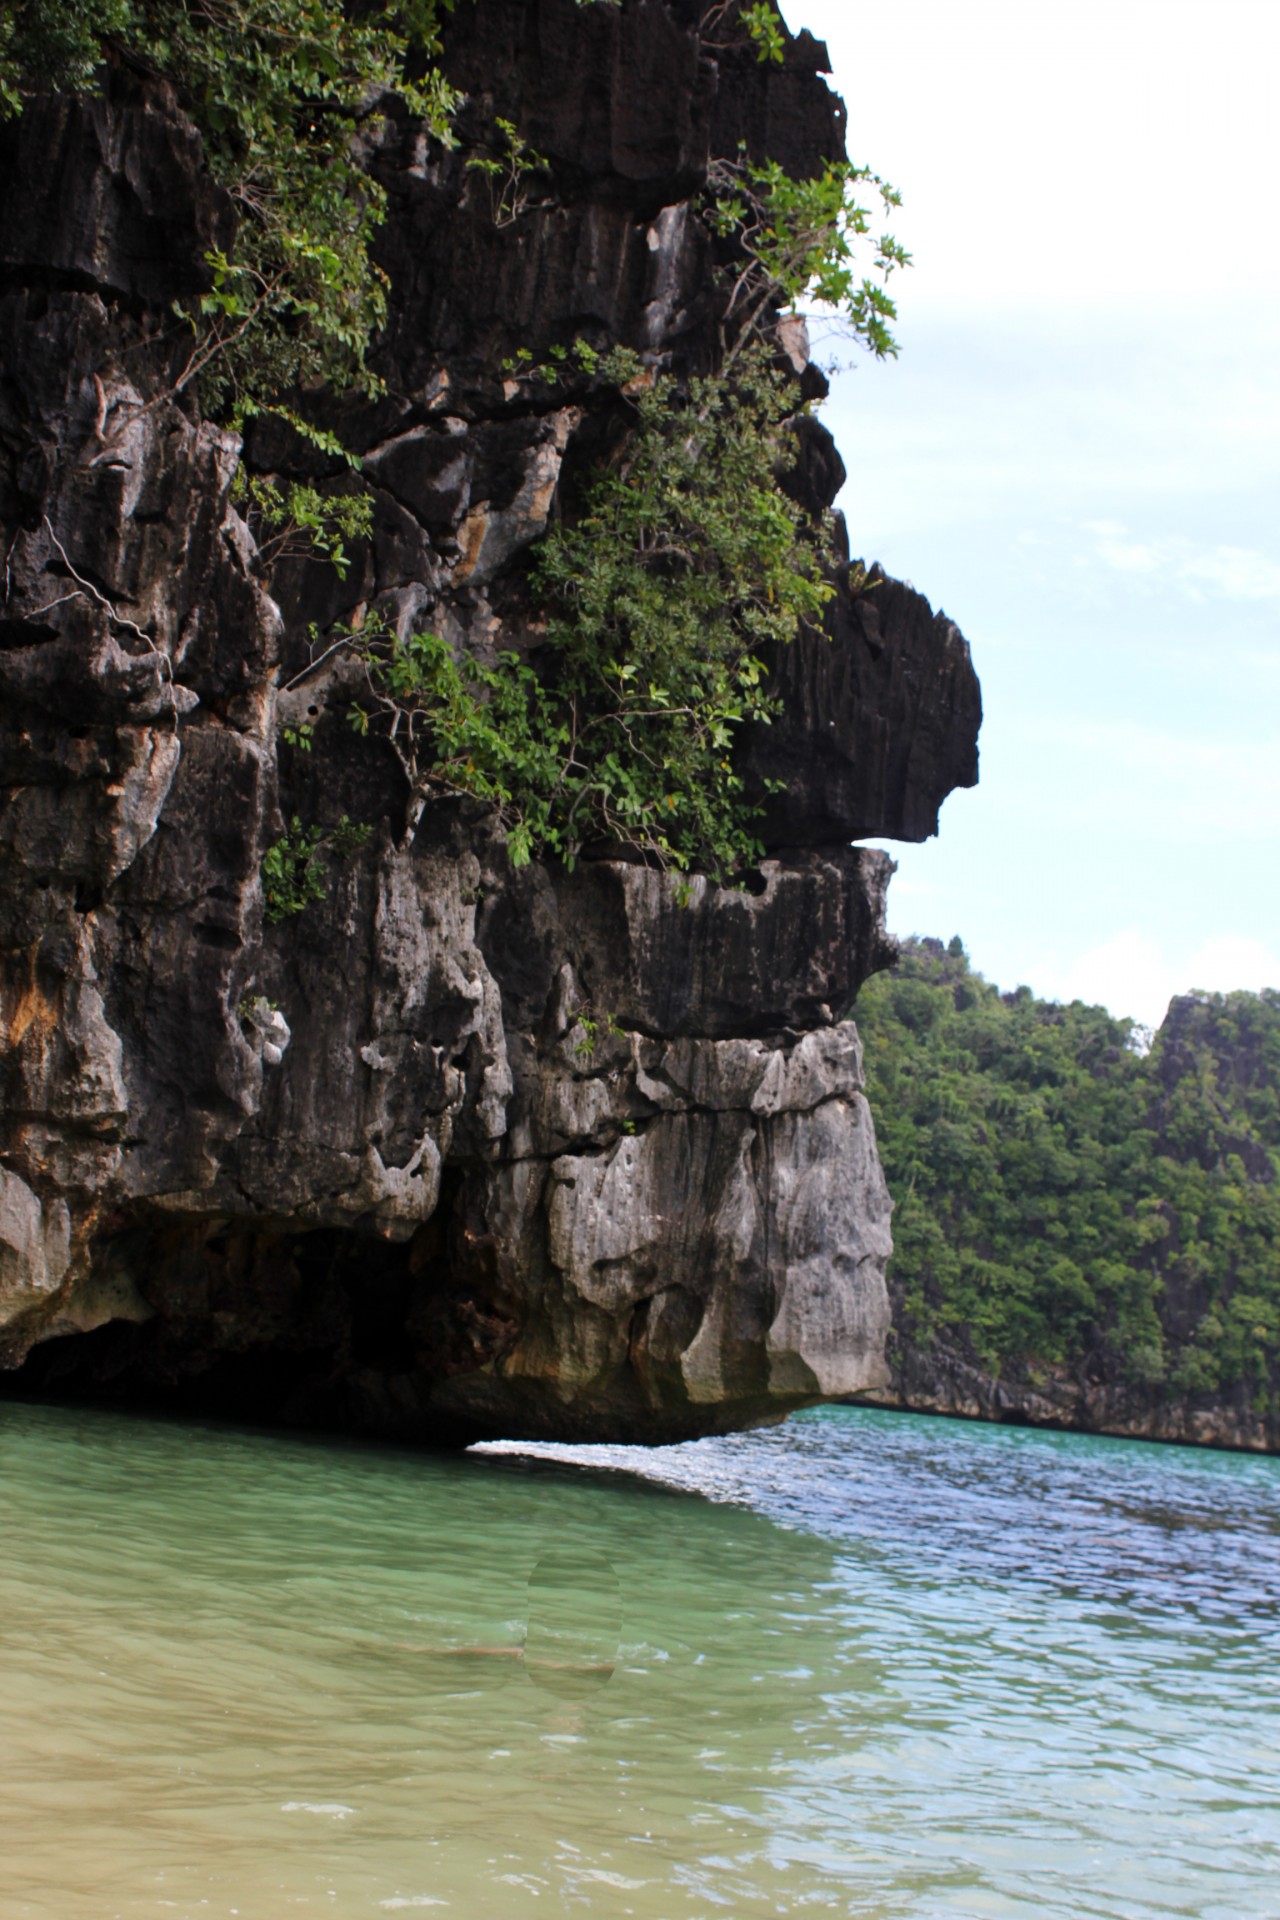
(1086, 1226)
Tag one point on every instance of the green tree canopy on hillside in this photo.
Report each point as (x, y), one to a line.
(1064, 1199)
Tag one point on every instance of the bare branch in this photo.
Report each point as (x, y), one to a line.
(130, 626)
(345, 640)
(86, 589)
(206, 349)
(49, 605)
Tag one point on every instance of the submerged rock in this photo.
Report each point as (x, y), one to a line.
(459, 1149)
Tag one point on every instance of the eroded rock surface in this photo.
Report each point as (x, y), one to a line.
(459, 1149)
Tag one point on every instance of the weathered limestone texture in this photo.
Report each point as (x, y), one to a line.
(459, 1149)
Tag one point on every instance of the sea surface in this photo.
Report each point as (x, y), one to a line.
(862, 1664)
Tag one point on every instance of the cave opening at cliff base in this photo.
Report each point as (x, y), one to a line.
(333, 1329)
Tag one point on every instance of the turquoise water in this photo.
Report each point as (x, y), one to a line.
(862, 1664)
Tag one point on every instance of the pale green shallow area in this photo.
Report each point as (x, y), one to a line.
(863, 1664)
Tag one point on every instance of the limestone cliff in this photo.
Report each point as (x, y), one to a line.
(460, 1148)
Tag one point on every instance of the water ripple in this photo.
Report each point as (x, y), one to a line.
(860, 1664)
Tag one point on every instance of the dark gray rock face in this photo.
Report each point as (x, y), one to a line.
(937, 1379)
(459, 1149)
(879, 723)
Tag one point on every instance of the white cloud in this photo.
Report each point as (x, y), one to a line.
(1114, 549)
(1238, 571)
(1141, 787)
(1081, 149)
(1262, 664)
(988, 416)
(1077, 457)
(1135, 975)
(1241, 573)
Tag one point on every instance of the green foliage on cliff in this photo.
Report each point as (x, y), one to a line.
(681, 560)
(685, 562)
(799, 243)
(685, 559)
(295, 869)
(278, 89)
(1062, 1199)
(55, 44)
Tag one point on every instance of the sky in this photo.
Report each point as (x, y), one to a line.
(1077, 456)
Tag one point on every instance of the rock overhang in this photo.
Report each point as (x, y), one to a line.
(543, 1152)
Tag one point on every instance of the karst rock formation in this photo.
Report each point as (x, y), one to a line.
(460, 1149)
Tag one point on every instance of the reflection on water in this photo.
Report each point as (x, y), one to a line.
(861, 1665)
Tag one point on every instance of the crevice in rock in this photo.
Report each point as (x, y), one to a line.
(16, 636)
(40, 277)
